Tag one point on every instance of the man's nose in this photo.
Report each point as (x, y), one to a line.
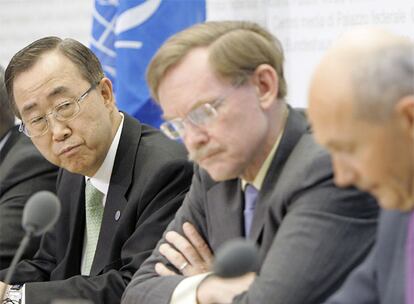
(59, 129)
(345, 174)
(194, 136)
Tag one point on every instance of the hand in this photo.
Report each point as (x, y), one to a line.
(190, 254)
(3, 288)
(222, 291)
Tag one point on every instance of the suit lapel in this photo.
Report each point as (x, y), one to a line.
(296, 126)
(75, 202)
(224, 201)
(116, 199)
(14, 135)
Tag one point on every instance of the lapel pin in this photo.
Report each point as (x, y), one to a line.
(117, 215)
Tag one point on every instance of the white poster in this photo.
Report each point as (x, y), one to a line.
(305, 27)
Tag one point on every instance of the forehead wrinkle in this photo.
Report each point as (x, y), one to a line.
(55, 92)
(58, 91)
(187, 80)
(192, 97)
(198, 103)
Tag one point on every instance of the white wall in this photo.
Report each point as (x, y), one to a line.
(23, 21)
(305, 27)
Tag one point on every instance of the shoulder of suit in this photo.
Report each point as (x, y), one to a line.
(23, 148)
(157, 143)
(308, 160)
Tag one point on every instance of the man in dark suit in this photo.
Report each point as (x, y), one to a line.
(120, 182)
(362, 109)
(23, 171)
(222, 90)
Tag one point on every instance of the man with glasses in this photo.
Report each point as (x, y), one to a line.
(260, 176)
(120, 181)
(18, 180)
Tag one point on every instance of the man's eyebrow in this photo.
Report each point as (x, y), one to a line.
(335, 145)
(331, 144)
(55, 92)
(28, 107)
(198, 103)
(201, 102)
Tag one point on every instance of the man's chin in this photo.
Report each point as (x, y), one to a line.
(76, 167)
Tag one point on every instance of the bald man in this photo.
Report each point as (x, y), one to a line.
(362, 109)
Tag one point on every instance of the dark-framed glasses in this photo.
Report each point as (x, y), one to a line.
(200, 116)
(64, 111)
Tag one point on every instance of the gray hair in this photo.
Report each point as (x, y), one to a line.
(381, 79)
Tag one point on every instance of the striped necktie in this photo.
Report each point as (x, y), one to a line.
(94, 213)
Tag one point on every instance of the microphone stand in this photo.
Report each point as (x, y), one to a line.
(29, 234)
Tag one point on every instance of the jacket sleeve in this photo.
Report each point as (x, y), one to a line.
(27, 172)
(360, 287)
(324, 232)
(320, 233)
(146, 285)
(161, 196)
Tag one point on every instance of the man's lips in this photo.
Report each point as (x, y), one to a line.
(67, 149)
(208, 156)
(369, 189)
(204, 153)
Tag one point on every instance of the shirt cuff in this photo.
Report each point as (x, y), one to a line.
(23, 290)
(8, 296)
(186, 290)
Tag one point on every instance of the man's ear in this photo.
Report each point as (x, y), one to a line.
(266, 81)
(405, 110)
(106, 91)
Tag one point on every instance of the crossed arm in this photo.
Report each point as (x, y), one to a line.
(320, 235)
(191, 256)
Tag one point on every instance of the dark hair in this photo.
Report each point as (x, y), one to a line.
(6, 113)
(86, 61)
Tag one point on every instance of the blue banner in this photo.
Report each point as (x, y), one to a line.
(125, 36)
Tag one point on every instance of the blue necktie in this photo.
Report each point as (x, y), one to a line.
(250, 196)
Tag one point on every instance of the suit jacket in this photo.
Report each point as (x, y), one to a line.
(381, 278)
(23, 171)
(310, 234)
(150, 177)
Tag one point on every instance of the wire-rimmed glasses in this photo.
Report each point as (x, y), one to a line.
(200, 116)
(65, 111)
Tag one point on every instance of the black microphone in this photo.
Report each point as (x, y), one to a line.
(233, 259)
(236, 258)
(39, 215)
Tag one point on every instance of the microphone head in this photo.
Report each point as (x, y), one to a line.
(40, 213)
(235, 258)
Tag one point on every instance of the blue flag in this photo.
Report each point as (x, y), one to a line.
(125, 36)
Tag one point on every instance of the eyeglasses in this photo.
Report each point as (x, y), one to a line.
(64, 111)
(200, 116)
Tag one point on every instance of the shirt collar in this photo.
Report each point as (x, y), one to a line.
(102, 177)
(258, 180)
